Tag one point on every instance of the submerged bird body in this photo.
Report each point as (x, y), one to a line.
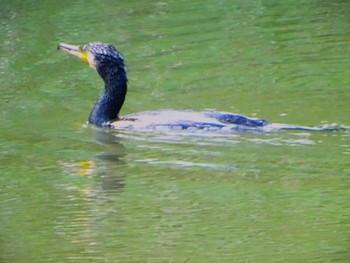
(185, 120)
(110, 65)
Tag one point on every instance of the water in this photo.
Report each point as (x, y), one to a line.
(73, 193)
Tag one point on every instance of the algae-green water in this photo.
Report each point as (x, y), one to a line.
(74, 193)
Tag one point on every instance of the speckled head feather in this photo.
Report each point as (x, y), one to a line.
(104, 57)
(103, 53)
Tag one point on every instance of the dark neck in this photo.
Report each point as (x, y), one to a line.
(109, 104)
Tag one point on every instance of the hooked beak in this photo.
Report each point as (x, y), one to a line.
(72, 49)
(78, 52)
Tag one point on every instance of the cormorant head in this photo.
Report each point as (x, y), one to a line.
(105, 58)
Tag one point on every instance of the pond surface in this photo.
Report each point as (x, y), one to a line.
(73, 193)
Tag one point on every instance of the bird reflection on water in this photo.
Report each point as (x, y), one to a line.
(105, 166)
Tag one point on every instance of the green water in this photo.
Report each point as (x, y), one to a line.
(72, 193)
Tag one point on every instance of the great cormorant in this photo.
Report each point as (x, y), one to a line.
(109, 63)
